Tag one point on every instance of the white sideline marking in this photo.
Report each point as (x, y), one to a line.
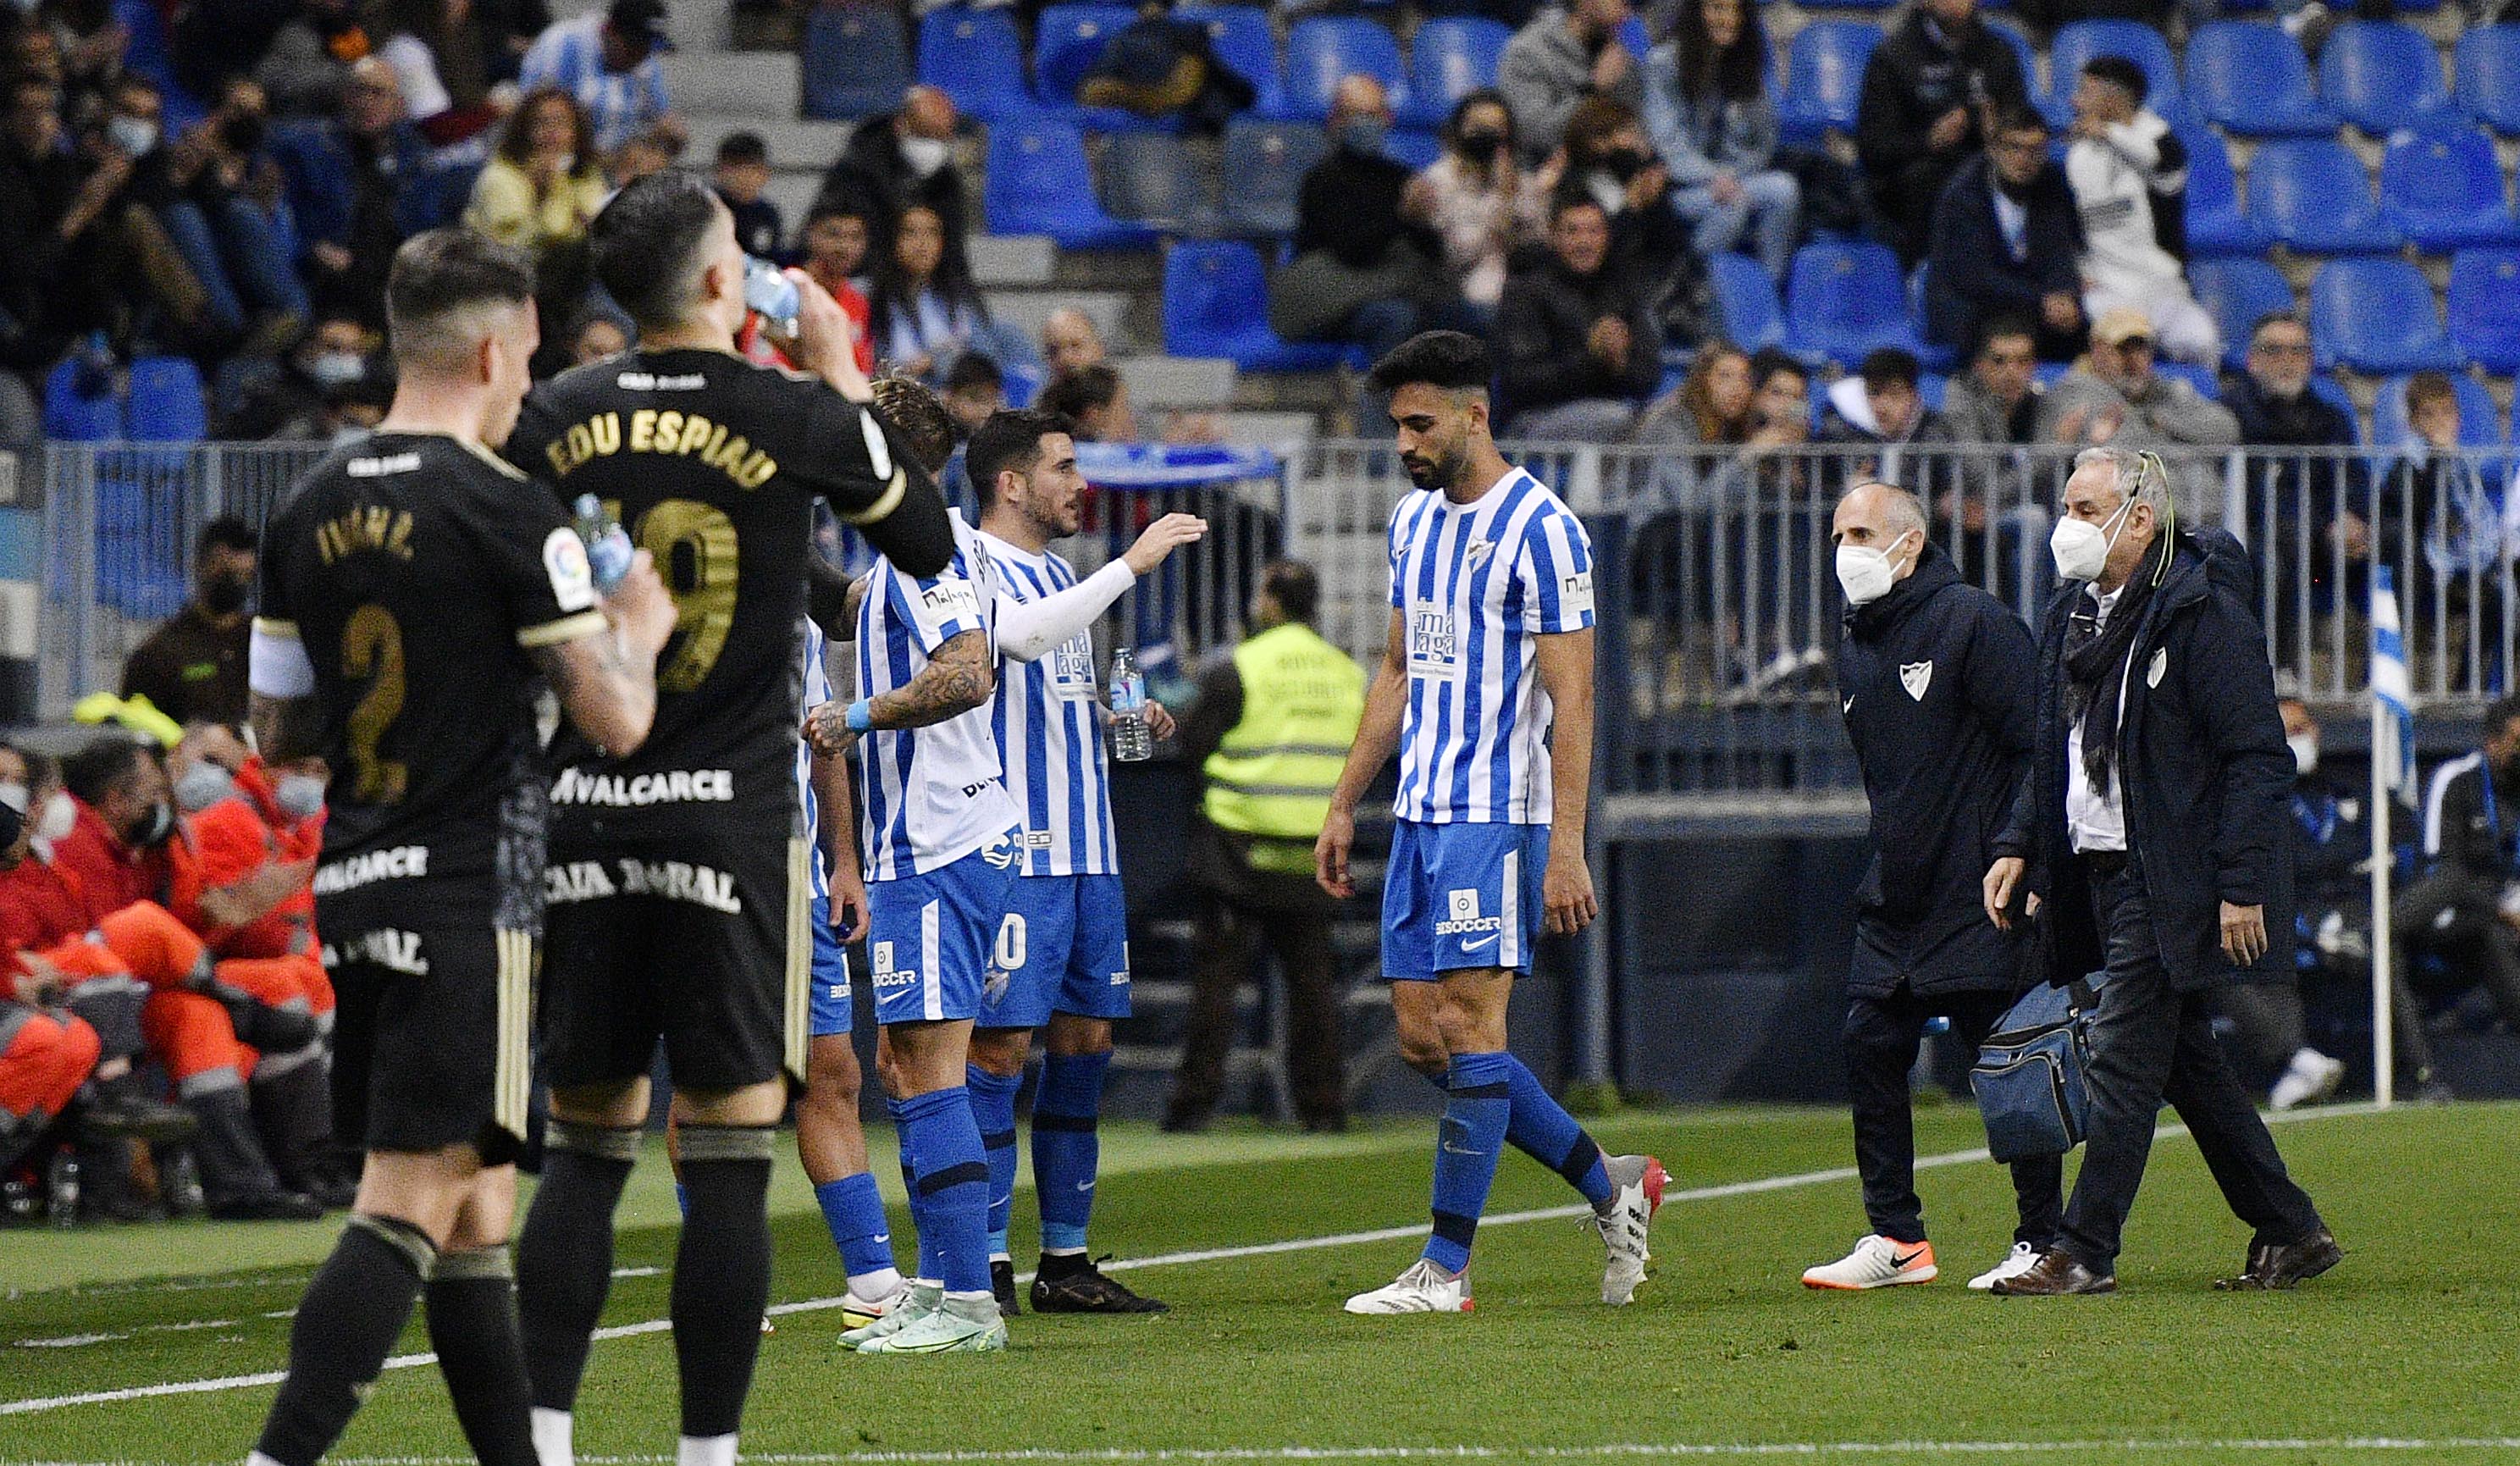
(1166, 1260)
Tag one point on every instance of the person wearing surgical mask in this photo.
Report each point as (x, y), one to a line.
(336, 360)
(894, 162)
(125, 813)
(192, 668)
(1935, 681)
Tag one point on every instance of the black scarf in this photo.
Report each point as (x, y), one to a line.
(2096, 656)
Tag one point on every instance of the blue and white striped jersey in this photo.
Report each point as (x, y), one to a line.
(569, 55)
(1050, 734)
(928, 796)
(818, 691)
(1474, 586)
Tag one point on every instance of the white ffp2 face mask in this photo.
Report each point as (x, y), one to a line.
(1865, 573)
(2082, 548)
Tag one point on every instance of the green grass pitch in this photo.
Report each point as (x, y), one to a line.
(2409, 1351)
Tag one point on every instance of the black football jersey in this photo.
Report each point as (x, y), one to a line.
(416, 572)
(713, 465)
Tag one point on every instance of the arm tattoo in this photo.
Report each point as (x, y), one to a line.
(287, 729)
(956, 680)
(596, 684)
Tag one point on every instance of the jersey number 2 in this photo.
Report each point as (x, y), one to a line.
(694, 548)
(372, 652)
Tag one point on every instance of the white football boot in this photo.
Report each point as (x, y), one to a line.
(1424, 1289)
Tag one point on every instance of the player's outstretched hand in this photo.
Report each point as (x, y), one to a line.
(1329, 855)
(826, 344)
(1567, 893)
(1161, 538)
(642, 611)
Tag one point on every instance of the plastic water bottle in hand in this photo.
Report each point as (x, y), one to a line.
(769, 293)
(607, 544)
(1131, 739)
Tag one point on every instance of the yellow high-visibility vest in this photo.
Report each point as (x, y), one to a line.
(1302, 699)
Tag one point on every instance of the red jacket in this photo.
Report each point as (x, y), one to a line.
(110, 874)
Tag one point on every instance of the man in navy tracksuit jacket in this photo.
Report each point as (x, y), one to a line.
(1935, 679)
(2152, 830)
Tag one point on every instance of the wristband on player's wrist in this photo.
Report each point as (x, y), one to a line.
(860, 717)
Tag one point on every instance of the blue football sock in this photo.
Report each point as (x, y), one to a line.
(1066, 1150)
(950, 1199)
(1542, 1129)
(1477, 1105)
(854, 1212)
(993, 1110)
(910, 1187)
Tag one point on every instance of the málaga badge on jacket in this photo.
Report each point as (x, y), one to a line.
(1916, 676)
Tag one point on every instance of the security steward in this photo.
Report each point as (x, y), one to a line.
(1272, 728)
(2152, 832)
(1935, 679)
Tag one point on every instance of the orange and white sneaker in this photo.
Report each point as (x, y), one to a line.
(1877, 1261)
(1635, 1194)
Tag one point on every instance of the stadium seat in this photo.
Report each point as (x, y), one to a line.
(1843, 300)
(2254, 80)
(1034, 168)
(976, 57)
(1447, 60)
(2487, 64)
(856, 61)
(2021, 52)
(2078, 41)
(2381, 77)
(1824, 78)
(73, 411)
(149, 52)
(1322, 50)
(1216, 303)
(2240, 292)
(2485, 306)
(1267, 162)
(1414, 146)
(2328, 390)
(2205, 380)
(1746, 297)
(1242, 40)
(2479, 424)
(2377, 315)
(2443, 189)
(166, 405)
(2215, 224)
(1148, 178)
(1066, 43)
(2312, 194)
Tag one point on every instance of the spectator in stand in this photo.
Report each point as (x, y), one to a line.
(1712, 406)
(926, 311)
(1362, 271)
(90, 41)
(2006, 240)
(2113, 396)
(609, 61)
(1071, 340)
(1882, 405)
(834, 255)
(2437, 522)
(544, 185)
(1477, 201)
(652, 149)
(894, 162)
(1159, 67)
(306, 399)
(1708, 111)
(1576, 351)
(45, 215)
(218, 196)
(192, 668)
(742, 177)
(1929, 94)
(1564, 55)
(1095, 400)
(1610, 159)
(2126, 166)
(2297, 505)
(442, 55)
(601, 333)
(357, 189)
(306, 70)
(975, 388)
(1996, 401)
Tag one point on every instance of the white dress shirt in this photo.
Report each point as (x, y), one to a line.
(2094, 820)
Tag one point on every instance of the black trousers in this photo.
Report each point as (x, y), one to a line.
(1882, 1035)
(2460, 918)
(2152, 1042)
(1242, 908)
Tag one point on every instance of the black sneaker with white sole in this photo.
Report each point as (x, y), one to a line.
(1002, 1282)
(1077, 1285)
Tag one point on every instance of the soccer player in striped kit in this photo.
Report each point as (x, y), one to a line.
(1491, 643)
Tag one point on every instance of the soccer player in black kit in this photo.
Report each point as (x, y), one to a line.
(417, 595)
(678, 875)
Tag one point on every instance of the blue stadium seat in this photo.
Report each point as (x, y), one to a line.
(856, 61)
(2479, 424)
(1414, 146)
(2312, 194)
(1066, 43)
(1216, 303)
(2328, 390)
(2487, 64)
(2240, 292)
(1322, 50)
(1448, 59)
(1267, 162)
(1034, 169)
(2078, 41)
(976, 57)
(1148, 178)
(149, 52)
(2215, 224)
(1242, 40)
(2377, 315)
(2485, 306)
(2381, 77)
(2204, 378)
(2443, 189)
(1843, 300)
(2021, 52)
(2254, 80)
(166, 404)
(1825, 77)
(72, 415)
(1746, 295)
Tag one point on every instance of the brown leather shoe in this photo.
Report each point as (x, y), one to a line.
(2274, 1267)
(2056, 1273)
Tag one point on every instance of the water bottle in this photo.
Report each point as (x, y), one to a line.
(62, 1189)
(769, 293)
(1131, 742)
(607, 544)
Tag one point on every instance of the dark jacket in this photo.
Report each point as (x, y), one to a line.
(1936, 681)
(1548, 311)
(1915, 76)
(2464, 835)
(2207, 777)
(35, 194)
(1974, 274)
(1349, 205)
(2313, 488)
(872, 177)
